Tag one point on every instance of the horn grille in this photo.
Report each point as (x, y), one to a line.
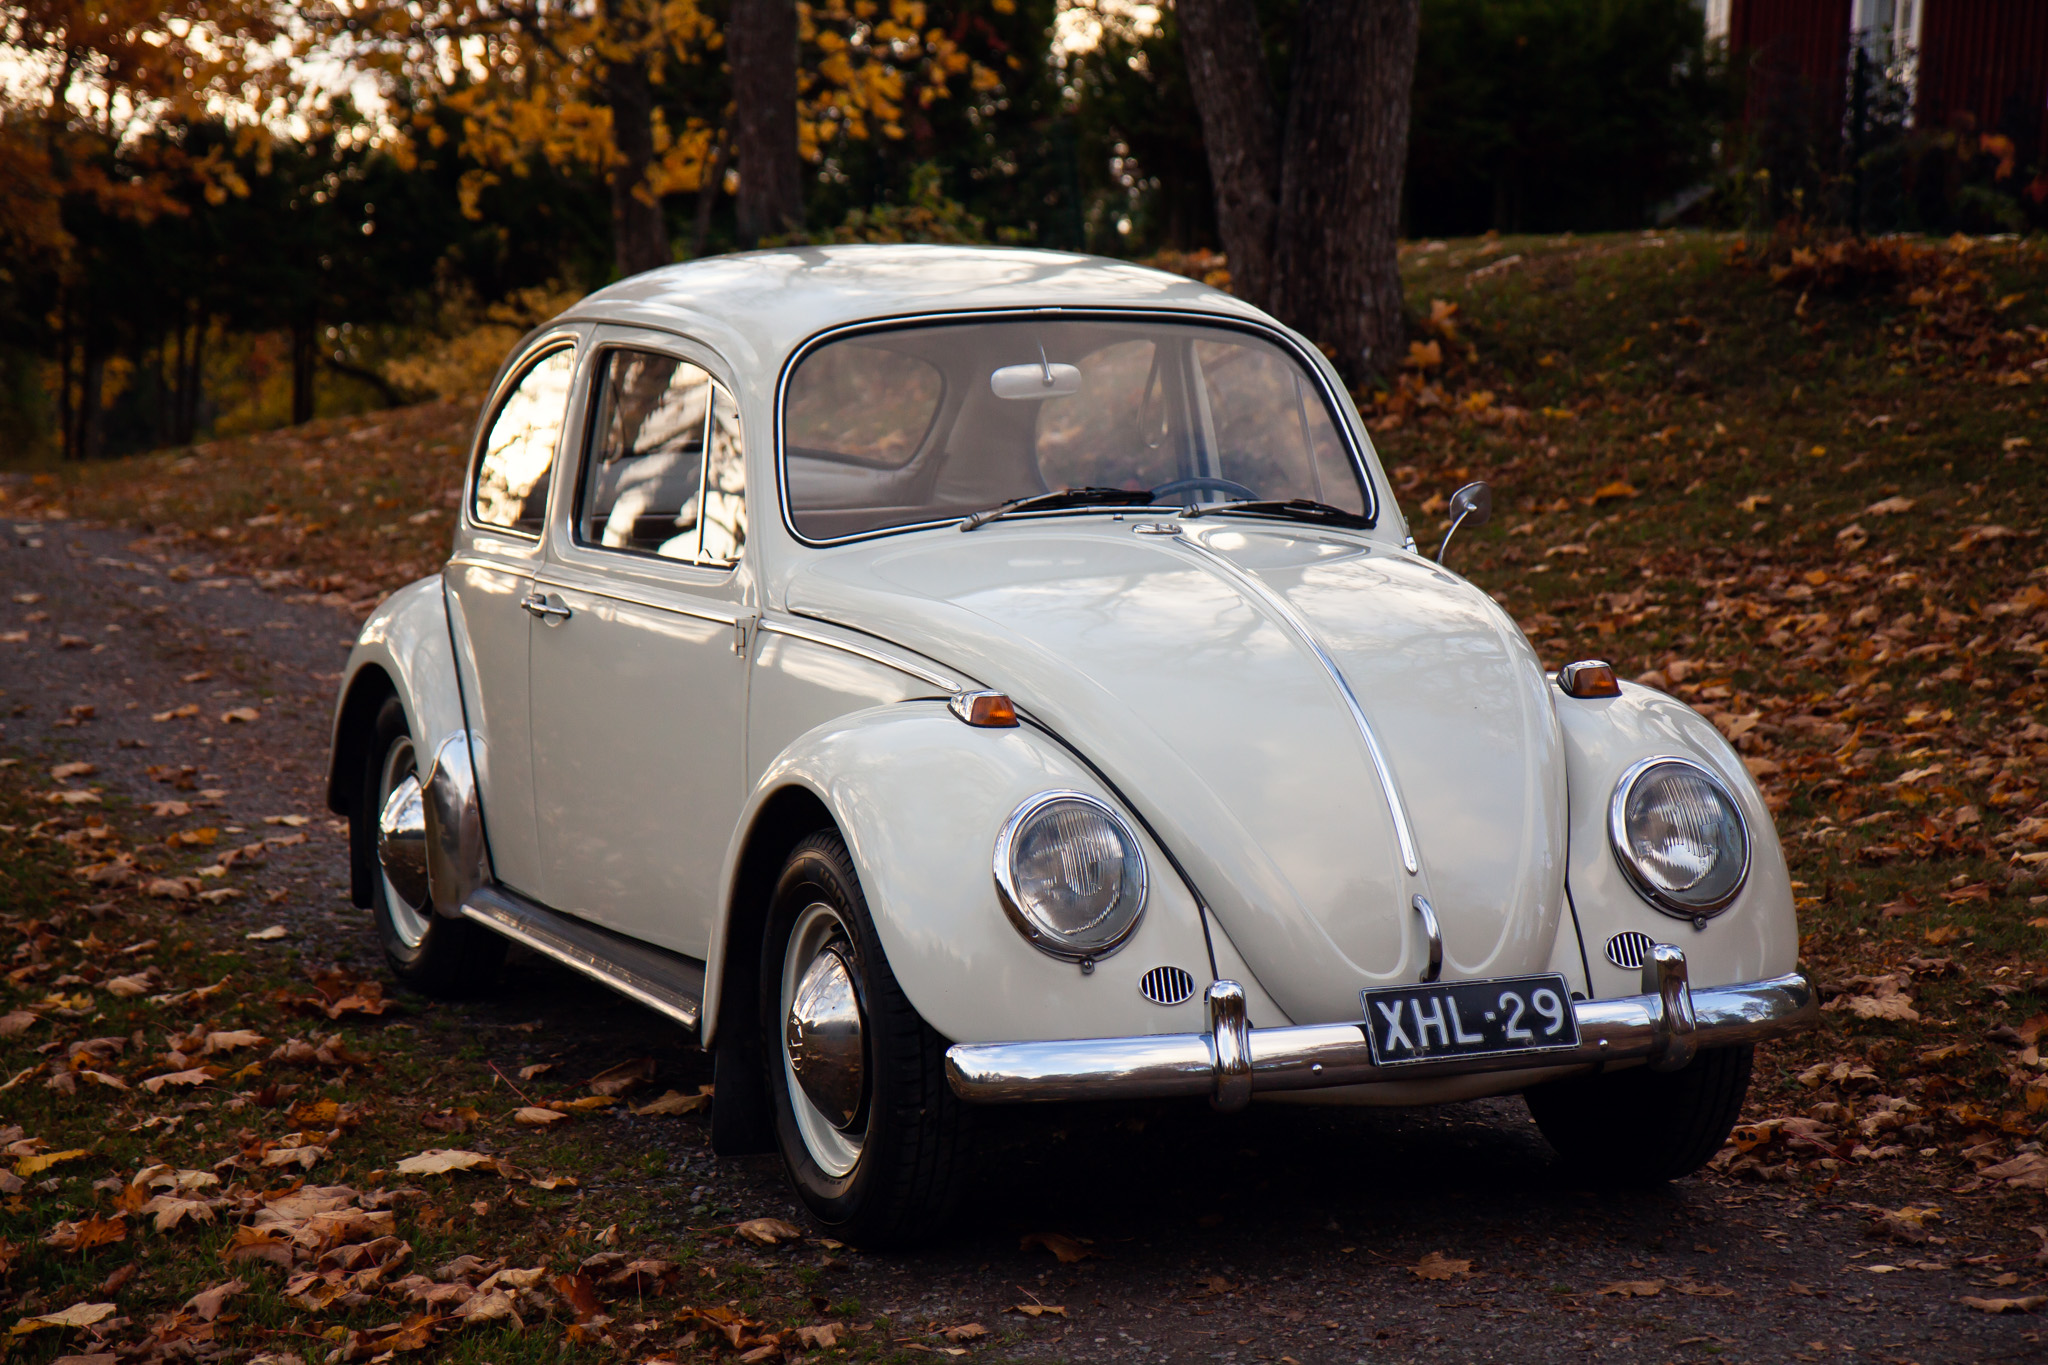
(1629, 948)
(1166, 986)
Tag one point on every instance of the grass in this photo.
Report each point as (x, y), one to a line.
(1701, 451)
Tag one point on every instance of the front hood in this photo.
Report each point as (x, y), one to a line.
(1168, 662)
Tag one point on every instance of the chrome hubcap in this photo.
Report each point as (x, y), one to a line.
(823, 1034)
(402, 845)
(824, 1043)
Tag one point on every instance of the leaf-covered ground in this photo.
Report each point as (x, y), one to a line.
(1800, 487)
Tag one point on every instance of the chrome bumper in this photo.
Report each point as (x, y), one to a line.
(1665, 1026)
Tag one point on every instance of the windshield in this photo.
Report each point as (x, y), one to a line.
(935, 423)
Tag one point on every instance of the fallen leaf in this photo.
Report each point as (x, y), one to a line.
(1068, 1249)
(2026, 1304)
(527, 1073)
(198, 1075)
(769, 1231)
(171, 1211)
(77, 1315)
(21, 1021)
(231, 1040)
(207, 1303)
(617, 1080)
(826, 1335)
(290, 821)
(1437, 1266)
(274, 932)
(241, 715)
(437, 1161)
(966, 1331)
(64, 771)
(36, 1165)
(169, 809)
(90, 1232)
(1037, 1310)
(1635, 1289)
(185, 712)
(533, 1116)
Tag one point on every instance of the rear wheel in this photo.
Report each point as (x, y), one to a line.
(1643, 1127)
(427, 951)
(873, 1138)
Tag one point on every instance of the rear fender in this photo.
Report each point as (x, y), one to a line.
(1755, 937)
(405, 649)
(919, 798)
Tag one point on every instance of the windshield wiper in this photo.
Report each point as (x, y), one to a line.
(1298, 509)
(1064, 497)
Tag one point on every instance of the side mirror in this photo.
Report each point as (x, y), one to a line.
(1474, 504)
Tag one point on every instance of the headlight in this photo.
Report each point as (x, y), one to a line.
(1070, 875)
(1679, 837)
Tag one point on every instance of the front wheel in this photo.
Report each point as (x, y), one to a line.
(428, 951)
(873, 1138)
(1643, 1127)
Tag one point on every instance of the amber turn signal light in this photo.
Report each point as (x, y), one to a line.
(990, 710)
(1588, 678)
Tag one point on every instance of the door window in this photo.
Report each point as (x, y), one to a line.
(519, 449)
(648, 485)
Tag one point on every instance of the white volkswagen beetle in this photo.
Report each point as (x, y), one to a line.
(945, 677)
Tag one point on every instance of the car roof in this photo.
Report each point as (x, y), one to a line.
(770, 302)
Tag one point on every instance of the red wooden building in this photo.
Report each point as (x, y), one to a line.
(1984, 59)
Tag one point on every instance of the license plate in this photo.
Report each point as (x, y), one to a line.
(1446, 1019)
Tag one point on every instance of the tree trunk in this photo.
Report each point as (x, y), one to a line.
(1241, 131)
(760, 42)
(91, 423)
(1336, 275)
(304, 334)
(639, 235)
(191, 374)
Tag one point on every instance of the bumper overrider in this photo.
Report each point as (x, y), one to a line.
(1663, 1027)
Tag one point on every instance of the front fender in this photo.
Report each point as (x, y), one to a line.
(1757, 936)
(919, 799)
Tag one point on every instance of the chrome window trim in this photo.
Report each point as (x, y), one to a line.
(1617, 840)
(555, 339)
(1189, 316)
(918, 671)
(1006, 887)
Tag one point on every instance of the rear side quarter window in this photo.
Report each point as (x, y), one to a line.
(518, 455)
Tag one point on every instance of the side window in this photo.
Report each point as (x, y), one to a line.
(519, 449)
(725, 483)
(647, 485)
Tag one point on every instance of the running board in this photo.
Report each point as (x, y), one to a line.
(668, 983)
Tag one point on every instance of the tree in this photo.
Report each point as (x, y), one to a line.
(761, 44)
(1308, 187)
(636, 91)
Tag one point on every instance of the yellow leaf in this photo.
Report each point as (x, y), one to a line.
(36, 1165)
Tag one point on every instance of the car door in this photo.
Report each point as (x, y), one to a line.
(638, 670)
(489, 580)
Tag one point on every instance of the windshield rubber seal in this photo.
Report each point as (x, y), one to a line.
(1264, 331)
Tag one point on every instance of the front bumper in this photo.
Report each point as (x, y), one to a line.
(1664, 1027)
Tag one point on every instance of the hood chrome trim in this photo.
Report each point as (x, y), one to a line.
(1284, 610)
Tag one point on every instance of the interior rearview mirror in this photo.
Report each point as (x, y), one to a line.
(1040, 380)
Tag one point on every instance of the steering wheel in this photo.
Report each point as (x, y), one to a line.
(1203, 482)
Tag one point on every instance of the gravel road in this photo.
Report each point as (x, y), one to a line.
(1286, 1233)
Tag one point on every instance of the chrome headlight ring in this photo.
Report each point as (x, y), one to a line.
(1697, 908)
(1116, 923)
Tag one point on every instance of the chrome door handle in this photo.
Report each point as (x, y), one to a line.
(538, 605)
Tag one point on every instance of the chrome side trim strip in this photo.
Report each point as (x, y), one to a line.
(1314, 1056)
(1434, 933)
(1283, 609)
(611, 593)
(667, 983)
(901, 665)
